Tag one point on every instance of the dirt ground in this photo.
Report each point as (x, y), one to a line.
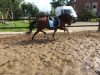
(76, 54)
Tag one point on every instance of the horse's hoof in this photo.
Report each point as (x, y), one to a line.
(44, 36)
(28, 32)
(53, 36)
(68, 34)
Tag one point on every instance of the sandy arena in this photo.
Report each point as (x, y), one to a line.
(76, 54)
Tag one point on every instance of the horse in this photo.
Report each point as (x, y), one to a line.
(42, 22)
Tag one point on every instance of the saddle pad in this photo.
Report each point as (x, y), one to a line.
(51, 23)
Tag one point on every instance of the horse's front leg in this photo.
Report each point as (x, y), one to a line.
(66, 30)
(35, 34)
(54, 32)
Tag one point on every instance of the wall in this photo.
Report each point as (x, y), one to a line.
(80, 5)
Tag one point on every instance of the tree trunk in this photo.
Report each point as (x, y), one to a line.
(6, 13)
(12, 16)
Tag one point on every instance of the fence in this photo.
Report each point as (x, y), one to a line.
(65, 26)
(99, 25)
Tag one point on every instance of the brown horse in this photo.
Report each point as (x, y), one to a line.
(42, 22)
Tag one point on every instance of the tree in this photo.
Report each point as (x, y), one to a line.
(29, 9)
(7, 7)
(56, 3)
(13, 9)
(70, 3)
(86, 15)
(34, 11)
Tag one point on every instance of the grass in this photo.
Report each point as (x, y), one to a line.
(12, 26)
(95, 20)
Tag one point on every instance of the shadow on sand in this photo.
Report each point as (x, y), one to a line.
(36, 41)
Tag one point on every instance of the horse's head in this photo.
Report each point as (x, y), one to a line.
(42, 16)
(67, 18)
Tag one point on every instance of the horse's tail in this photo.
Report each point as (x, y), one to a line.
(32, 26)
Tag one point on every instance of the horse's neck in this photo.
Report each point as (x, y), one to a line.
(58, 19)
(61, 21)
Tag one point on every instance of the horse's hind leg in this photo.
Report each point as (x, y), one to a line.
(43, 32)
(66, 30)
(35, 34)
(31, 27)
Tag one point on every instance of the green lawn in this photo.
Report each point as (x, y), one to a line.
(14, 25)
(95, 20)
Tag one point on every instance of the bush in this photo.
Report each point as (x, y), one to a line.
(86, 15)
(95, 20)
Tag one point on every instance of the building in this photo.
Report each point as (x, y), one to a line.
(93, 5)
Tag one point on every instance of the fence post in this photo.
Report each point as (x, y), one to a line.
(99, 25)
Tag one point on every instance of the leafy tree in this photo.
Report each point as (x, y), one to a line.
(29, 9)
(15, 8)
(56, 3)
(34, 11)
(7, 7)
(70, 3)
